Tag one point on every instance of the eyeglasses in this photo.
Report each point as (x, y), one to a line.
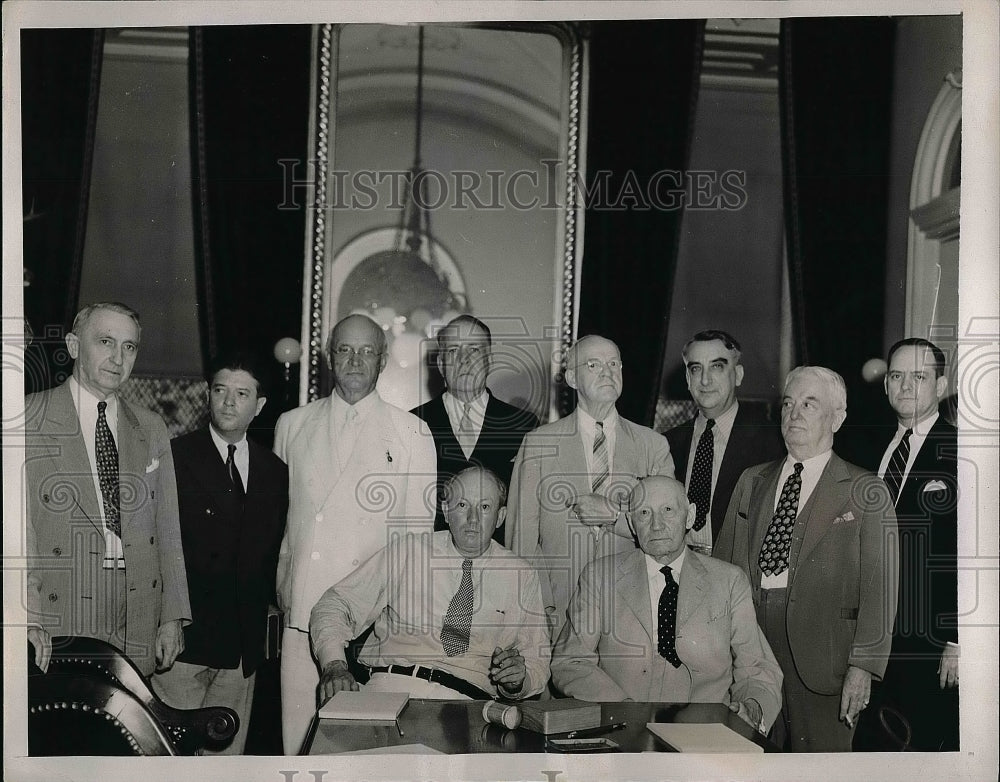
(346, 352)
(597, 366)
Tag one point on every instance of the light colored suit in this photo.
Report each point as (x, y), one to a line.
(842, 572)
(607, 650)
(551, 470)
(65, 528)
(341, 511)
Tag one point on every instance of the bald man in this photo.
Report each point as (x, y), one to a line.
(572, 477)
(664, 623)
(358, 467)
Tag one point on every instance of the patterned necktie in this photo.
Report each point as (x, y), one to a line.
(107, 470)
(234, 472)
(666, 619)
(601, 468)
(773, 559)
(700, 490)
(466, 431)
(458, 618)
(897, 466)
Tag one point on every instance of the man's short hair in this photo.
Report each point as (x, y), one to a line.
(84, 315)
(834, 382)
(454, 328)
(383, 344)
(939, 359)
(569, 362)
(501, 486)
(711, 335)
(235, 361)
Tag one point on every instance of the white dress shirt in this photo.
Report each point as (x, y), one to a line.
(241, 457)
(455, 409)
(588, 431)
(348, 421)
(720, 439)
(920, 430)
(812, 469)
(86, 411)
(656, 584)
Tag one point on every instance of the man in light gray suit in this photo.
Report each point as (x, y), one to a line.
(358, 468)
(572, 478)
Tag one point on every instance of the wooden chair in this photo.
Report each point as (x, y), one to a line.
(94, 661)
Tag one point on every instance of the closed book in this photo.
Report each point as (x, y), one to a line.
(706, 737)
(363, 705)
(560, 715)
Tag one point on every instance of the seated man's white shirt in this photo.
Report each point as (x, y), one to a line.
(656, 584)
(405, 589)
(812, 470)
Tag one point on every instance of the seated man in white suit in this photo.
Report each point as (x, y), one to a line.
(664, 623)
(358, 468)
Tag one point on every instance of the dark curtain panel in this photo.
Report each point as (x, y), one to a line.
(836, 100)
(643, 90)
(249, 110)
(60, 80)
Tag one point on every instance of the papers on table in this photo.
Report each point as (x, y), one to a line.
(364, 705)
(701, 737)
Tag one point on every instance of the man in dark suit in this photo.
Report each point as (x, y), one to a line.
(233, 497)
(102, 537)
(713, 449)
(813, 533)
(471, 426)
(920, 468)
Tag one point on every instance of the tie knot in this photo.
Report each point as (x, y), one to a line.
(798, 468)
(906, 434)
(232, 450)
(709, 423)
(102, 406)
(466, 566)
(600, 425)
(668, 574)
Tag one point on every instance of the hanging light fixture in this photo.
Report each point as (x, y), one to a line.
(394, 284)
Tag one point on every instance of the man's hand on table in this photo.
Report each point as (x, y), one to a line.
(335, 678)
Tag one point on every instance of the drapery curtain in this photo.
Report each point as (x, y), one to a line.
(60, 83)
(643, 91)
(249, 93)
(835, 81)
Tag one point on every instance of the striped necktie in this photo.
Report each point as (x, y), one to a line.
(897, 466)
(601, 464)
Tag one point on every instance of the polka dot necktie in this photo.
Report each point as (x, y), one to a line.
(666, 619)
(700, 490)
(107, 470)
(601, 464)
(458, 619)
(773, 559)
(897, 466)
(234, 472)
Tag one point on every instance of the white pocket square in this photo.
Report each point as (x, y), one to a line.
(152, 466)
(934, 486)
(849, 516)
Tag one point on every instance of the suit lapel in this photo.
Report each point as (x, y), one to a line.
(824, 504)
(570, 460)
(693, 588)
(68, 450)
(760, 513)
(133, 453)
(320, 452)
(633, 590)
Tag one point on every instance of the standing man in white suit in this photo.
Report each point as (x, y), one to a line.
(358, 468)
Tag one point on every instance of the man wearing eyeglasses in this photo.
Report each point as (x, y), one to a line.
(358, 468)
(572, 477)
(470, 426)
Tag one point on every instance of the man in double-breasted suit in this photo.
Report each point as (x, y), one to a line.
(814, 535)
(920, 467)
(103, 540)
(572, 478)
(470, 426)
(628, 637)
(713, 449)
(233, 498)
(359, 471)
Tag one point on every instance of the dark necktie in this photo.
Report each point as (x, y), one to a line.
(601, 463)
(773, 558)
(458, 618)
(897, 466)
(700, 490)
(107, 470)
(234, 472)
(666, 619)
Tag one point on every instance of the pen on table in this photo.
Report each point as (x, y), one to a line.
(399, 729)
(579, 734)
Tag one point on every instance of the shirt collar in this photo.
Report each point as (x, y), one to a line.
(817, 462)
(222, 445)
(723, 423)
(84, 399)
(921, 428)
(477, 405)
(362, 406)
(654, 568)
(588, 424)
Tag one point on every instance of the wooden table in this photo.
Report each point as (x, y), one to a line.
(457, 728)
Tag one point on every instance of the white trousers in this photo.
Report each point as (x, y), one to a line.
(299, 684)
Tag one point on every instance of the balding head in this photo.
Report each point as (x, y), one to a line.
(357, 355)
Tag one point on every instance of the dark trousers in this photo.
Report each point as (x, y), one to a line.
(809, 721)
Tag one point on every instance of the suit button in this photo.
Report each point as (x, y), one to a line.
(354, 562)
(314, 555)
(45, 498)
(154, 583)
(57, 551)
(150, 540)
(319, 517)
(53, 597)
